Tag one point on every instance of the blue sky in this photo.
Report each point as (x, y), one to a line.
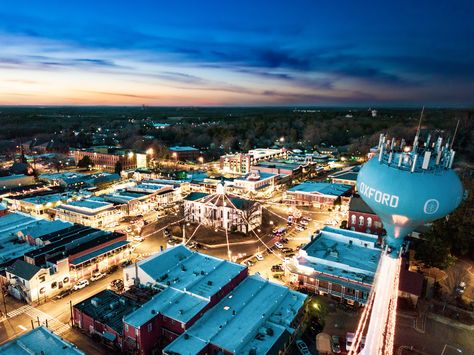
(237, 53)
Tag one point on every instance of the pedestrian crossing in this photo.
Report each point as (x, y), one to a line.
(18, 311)
(44, 319)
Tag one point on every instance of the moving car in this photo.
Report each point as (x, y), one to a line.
(302, 347)
(80, 284)
(259, 257)
(97, 276)
(335, 344)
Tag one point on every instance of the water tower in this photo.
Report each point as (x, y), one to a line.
(408, 186)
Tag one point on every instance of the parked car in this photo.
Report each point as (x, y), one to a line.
(63, 294)
(299, 228)
(116, 284)
(277, 267)
(284, 240)
(287, 250)
(138, 238)
(350, 339)
(80, 284)
(307, 218)
(279, 245)
(302, 347)
(335, 344)
(97, 276)
(259, 257)
(126, 263)
(112, 269)
(304, 222)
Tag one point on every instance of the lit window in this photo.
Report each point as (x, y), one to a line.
(361, 220)
(369, 222)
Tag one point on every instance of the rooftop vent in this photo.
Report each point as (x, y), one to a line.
(95, 301)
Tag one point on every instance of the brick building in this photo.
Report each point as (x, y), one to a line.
(319, 194)
(106, 158)
(362, 218)
(338, 263)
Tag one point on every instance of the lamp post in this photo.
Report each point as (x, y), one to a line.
(452, 347)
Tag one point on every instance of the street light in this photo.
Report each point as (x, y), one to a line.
(149, 151)
(452, 347)
(201, 160)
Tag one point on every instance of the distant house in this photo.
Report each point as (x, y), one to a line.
(184, 153)
(319, 194)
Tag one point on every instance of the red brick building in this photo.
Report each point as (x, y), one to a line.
(362, 218)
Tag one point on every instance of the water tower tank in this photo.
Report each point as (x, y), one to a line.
(409, 186)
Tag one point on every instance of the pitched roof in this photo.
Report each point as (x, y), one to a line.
(23, 269)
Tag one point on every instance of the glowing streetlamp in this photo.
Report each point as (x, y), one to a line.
(150, 151)
(201, 160)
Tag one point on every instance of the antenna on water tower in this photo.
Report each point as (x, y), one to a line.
(415, 141)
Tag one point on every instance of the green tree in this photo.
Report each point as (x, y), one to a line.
(85, 163)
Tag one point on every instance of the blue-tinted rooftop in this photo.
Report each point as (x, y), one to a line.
(323, 188)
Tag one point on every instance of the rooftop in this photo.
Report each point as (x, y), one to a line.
(182, 149)
(86, 204)
(43, 227)
(190, 280)
(357, 204)
(39, 341)
(242, 320)
(323, 188)
(108, 308)
(23, 269)
(342, 253)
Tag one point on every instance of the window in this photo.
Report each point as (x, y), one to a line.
(54, 284)
(126, 327)
(353, 219)
(42, 278)
(361, 220)
(369, 222)
(150, 327)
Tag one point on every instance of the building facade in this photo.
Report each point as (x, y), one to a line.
(362, 218)
(319, 194)
(337, 263)
(223, 211)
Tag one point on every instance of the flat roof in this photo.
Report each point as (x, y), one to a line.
(43, 227)
(182, 148)
(194, 196)
(189, 280)
(342, 253)
(39, 341)
(348, 175)
(108, 308)
(234, 322)
(323, 188)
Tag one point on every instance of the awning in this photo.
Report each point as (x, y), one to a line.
(109, 336)
(81, 259)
